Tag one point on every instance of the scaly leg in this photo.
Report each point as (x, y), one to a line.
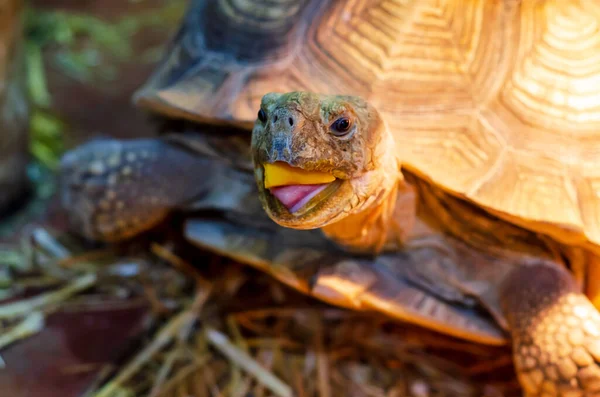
(115, 189)
(555, 331)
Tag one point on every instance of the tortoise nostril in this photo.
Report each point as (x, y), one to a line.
(291, 121)
(275, 118)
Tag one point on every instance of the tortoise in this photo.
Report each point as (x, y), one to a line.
(433, 161)
(14, 106)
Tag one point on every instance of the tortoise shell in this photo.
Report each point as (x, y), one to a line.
(497, 102)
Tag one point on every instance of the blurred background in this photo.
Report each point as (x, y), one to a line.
(81, 61)
(68, 69)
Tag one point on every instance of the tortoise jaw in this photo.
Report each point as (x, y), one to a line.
(300, 199)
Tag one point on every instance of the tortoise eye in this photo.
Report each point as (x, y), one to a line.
(262, 116)
(341, 126)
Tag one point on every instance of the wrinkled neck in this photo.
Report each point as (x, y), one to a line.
(386, 217)
(365, 231)
(390, 224)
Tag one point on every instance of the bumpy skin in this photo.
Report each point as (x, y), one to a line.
(14, 107)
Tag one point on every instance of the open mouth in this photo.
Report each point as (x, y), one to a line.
(295, 187)
(294, 197)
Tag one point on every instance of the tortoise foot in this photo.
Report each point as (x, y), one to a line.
(114, 190)
(556, 333)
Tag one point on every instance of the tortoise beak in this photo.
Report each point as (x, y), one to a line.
(282, 174)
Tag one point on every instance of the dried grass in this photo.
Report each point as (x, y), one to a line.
(222, 329)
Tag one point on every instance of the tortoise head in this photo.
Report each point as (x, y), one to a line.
(319, 158)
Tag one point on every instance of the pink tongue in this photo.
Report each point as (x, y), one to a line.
(292, 195)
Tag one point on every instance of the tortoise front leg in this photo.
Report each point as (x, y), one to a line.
(555, 331)
(113, 189)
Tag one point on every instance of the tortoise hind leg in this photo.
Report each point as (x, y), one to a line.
(555, 331)
(114, 190)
